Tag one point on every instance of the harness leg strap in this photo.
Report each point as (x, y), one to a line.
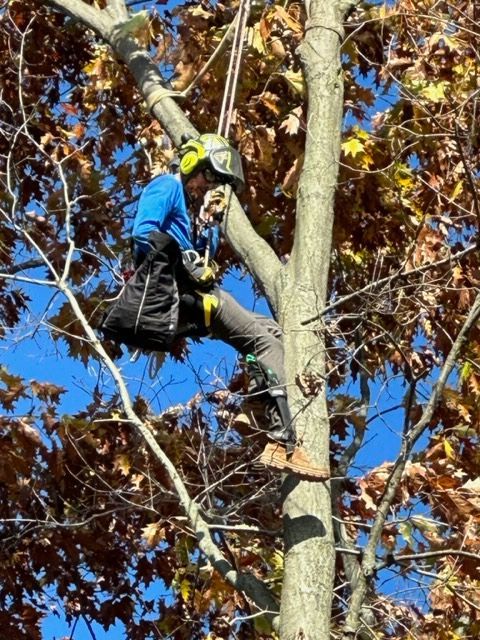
(210, 302)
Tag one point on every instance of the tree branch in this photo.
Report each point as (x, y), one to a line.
(247, 583)
(23, 266)
(401, 273)
(351, 564)
(353, 621)
(91, 17)
(441, 553)
(117, 9)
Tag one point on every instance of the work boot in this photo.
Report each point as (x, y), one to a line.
(276, 456)
(282, 454)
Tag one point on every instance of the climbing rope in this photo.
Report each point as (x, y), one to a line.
(228, 101)
(233, 72)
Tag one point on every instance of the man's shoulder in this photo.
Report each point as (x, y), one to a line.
(165, 181)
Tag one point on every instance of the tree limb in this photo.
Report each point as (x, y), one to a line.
(23, 266)
(353, 621)
(90, 16)
(351, 564)
(401, 273)
(251, 586)
(425, 555)
(117, 9)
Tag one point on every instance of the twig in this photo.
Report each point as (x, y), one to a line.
(353, 621)
(249, 584)
(399, 558)
(403, 273)
(74, 627)
(89, 626)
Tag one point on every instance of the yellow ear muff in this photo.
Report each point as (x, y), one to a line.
(194, 152)
(188, 162)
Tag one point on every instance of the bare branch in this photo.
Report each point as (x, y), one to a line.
(425, 555)
(353, 621)
(248, 584)
(401, 273)
(89, 15)
(33, 263)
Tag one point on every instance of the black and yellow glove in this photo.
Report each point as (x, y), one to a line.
(203, 276)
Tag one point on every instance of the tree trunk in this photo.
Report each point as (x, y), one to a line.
(309, 542)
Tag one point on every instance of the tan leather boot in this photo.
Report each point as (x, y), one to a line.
(275, 456)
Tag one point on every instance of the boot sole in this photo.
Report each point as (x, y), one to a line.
(275, 457)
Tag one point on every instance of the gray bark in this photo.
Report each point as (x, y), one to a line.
(309, 543)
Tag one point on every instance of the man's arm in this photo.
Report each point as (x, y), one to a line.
(162, 207)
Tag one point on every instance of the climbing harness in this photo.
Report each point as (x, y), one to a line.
(210, 302)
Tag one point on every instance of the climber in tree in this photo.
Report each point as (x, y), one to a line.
(173, 292)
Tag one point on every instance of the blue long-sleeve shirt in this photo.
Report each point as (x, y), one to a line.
(162, 207)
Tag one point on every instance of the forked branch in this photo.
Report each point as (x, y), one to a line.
(368, 566)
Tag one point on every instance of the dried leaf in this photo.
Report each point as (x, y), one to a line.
(123, 463)
(291, 124)
(153, 533)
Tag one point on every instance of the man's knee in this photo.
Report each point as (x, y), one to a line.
(273, 328)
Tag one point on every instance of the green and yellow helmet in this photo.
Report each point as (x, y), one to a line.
(214, 153)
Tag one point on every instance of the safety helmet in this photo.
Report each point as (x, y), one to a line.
(214, 153)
